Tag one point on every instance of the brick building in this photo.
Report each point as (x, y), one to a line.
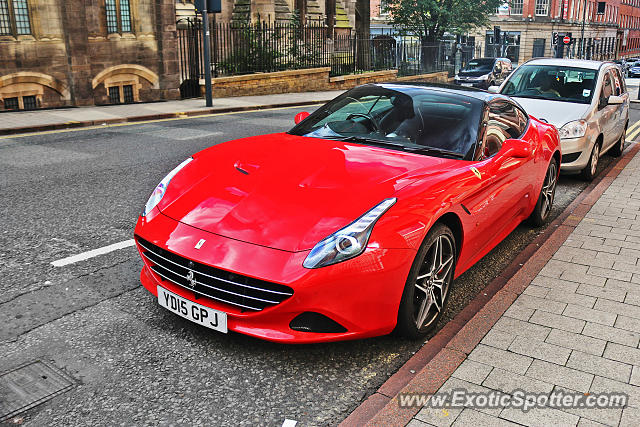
(629, 22)
(529, 25)
(84, 52)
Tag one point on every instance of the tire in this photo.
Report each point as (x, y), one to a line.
(616, 150)
(590, 171)
(541, 212)
(422, 297)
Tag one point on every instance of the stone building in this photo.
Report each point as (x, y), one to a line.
(352, 14)
(84, 52)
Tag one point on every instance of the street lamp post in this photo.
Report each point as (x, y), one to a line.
(584, 17)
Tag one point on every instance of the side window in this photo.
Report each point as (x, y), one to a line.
(607, 87)
(504, 122)
(618, 82)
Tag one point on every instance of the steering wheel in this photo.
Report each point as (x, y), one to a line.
(376, 126)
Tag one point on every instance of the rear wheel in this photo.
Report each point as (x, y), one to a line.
(616, 150)
(426, 291)
(589, 172)
(541, 212)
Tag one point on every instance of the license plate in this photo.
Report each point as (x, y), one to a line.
(467, 84)
(205, 316)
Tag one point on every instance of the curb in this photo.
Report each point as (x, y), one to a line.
(158, 116)
(428, 369)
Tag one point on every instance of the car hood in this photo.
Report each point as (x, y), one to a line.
(288, 192)
(556, 113)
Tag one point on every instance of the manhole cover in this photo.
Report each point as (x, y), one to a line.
(29, 385)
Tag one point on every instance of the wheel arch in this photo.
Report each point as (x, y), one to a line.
(452, 220)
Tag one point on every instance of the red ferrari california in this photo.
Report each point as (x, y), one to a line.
(352, 224)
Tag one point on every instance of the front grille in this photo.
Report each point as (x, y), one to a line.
(220, 285)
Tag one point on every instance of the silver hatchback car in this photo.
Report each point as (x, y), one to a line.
(586, 100)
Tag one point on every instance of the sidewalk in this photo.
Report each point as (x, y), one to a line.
(568, 320)
(40, 120)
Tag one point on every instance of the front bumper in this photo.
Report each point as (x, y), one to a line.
(482, 84)
(575, 153)
(362, 294)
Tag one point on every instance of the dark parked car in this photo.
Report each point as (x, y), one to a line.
(484, 72)
(634, 69)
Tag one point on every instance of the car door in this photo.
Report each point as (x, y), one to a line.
(606, 113)
(622, 111)
(501, 198)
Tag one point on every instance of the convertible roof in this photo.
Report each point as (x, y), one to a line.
(443, 88)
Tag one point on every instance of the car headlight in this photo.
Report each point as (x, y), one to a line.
(485, 77)
(158, 192)
(348, 242)
(574, 129)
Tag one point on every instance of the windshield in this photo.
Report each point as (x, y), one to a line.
(480, 65)
(405, 118)
(557, 83)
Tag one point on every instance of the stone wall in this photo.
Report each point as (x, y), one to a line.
(309, 80)
(69, 46)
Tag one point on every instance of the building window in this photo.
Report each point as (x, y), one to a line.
(127, 91)
(516, 7)
(118, 16)
(538, 48)
(11, 104)
(14, 18)
(29, 102)
(114, 95)
(542, 7)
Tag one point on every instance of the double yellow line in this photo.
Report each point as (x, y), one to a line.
(633, 131)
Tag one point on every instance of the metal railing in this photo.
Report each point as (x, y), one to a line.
(271, 46)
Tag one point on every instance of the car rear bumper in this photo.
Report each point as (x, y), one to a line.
(362, 294)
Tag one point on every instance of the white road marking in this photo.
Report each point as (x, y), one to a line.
(93, 253)
(289, 423)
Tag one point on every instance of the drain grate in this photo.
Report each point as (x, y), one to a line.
(29, 385)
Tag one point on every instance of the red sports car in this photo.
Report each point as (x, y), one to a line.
(352, 224)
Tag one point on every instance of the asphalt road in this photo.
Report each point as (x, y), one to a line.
(136, 363)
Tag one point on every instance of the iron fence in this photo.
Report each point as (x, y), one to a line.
(267, 47)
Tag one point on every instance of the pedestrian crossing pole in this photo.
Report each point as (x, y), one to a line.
(207, 56)
(206, 7)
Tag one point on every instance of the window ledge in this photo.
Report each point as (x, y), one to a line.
(26, 37)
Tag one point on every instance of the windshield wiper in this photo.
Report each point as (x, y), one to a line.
(435, 151)
(365, 140)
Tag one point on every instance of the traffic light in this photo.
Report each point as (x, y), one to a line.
(213, 6)
(497, 36)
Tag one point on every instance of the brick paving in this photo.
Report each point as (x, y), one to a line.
(576, 326)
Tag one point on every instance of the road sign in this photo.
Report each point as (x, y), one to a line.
(566, 40)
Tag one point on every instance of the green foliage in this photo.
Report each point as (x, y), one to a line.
(429, 19)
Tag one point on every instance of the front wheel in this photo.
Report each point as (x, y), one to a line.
(541, 212)
(426, 291)
(589, 172)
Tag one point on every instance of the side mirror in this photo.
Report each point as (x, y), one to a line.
(493, 89)
(615, 100)
(516, 148)
(300, 117)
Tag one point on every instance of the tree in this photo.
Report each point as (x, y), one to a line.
(430, 19)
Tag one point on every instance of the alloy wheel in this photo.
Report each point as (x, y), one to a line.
(549, 189)
(432, 283)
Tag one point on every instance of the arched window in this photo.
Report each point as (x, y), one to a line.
(118, 16)
(14, 18)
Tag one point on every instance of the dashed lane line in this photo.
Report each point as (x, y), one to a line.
(93, 253)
